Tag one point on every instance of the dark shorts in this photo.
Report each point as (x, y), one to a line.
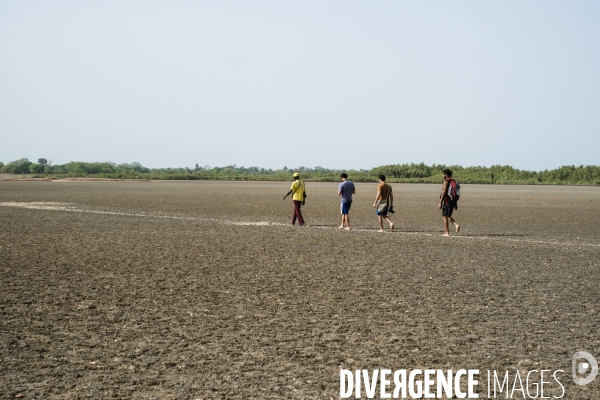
(382, 213)
(447, 209)
(345, 208)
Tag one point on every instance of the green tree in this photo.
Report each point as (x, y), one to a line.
(36, 168)
(20, 166)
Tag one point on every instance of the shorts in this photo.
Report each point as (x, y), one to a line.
(382, 213)
(447, 209)
(345, 208)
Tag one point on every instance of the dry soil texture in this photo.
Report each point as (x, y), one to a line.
(202, 290)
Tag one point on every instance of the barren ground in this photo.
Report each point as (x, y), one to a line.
(201, 290)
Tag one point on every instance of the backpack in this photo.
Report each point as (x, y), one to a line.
(453, 190)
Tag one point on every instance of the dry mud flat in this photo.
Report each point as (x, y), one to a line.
(200, 290)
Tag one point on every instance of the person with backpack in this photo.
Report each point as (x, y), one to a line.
(299, 198)
(449, 201)
(384, 203)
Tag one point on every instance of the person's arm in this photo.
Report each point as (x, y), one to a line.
(391, 197)
(444, 193)
(292, 189)
(377, 198)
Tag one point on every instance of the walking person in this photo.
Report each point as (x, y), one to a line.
(449, 201)
(345, 191)
(383, 203)
(299, 197)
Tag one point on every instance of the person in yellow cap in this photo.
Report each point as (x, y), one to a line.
(299, 197)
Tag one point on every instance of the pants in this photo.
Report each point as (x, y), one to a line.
(297, 213)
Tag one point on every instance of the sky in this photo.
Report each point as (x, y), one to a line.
(337, 84)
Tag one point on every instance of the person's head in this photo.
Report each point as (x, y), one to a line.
(344, 176)
(381, 178)
(447, 173)
(296, 176)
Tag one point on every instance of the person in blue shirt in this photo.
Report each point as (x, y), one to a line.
(345, 191)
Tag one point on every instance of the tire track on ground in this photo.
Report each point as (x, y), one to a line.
(71, 207)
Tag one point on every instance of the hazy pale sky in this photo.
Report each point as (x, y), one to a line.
(338, 84)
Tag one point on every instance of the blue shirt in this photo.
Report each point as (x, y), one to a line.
(346, 188)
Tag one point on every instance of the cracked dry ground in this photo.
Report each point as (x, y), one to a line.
(114, 298)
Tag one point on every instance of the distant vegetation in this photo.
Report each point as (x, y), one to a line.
(415, 173)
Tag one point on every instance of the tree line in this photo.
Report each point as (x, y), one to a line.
(409, 173)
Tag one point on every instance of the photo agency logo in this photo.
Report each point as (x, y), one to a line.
(584, 363)
(462, 383)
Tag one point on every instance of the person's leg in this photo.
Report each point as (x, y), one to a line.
(298, 212)
(456, 225)
(447, 215)
(342, 212)
(446, 228)
(345, 219)
(294, 216)
(380, 223)
(390, 222)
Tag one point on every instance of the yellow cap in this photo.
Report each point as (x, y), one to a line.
(295, 175)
